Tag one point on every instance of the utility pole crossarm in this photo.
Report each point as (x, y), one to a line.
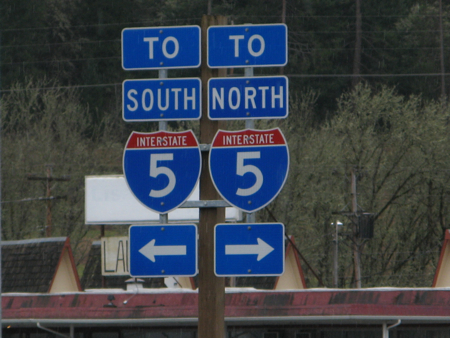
(49, 178)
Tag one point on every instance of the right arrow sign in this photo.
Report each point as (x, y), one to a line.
(262, 249)
(249, 249)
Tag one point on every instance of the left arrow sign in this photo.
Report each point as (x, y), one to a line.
(150, 250)
(163, 250)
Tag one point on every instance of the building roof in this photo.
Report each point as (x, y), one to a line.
(242, 307)
(38, 265)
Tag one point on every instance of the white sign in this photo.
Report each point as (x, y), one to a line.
(115, 253)
(108, 200)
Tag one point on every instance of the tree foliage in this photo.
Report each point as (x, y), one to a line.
(398, 147)
(61, 81)
(49, 129)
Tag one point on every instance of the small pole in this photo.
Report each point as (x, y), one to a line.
(249, 124)
(48, 229)
(283, 20)
(356, 246)
(102, 234)
(163, 74)
(164, 218)
(336, 255)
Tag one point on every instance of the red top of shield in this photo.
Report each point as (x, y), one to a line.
(162, 139)
(249, 138)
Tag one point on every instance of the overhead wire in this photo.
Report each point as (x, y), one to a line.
(141, 22)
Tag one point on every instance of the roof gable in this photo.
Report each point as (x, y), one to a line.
(442, 276)
(292, 278)
(32, 265)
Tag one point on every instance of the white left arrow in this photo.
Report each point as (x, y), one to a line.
(262, 249)
(150, 250)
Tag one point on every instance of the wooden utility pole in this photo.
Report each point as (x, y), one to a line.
(358, 46)
(211, 298)
(48, 196)
(442, 56)
(356, 245)
(283, 20)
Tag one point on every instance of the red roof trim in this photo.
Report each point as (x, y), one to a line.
(79, 306)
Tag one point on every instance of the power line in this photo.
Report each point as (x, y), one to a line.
(22, 63)
(162, 21)
(31, 199)
(365, 75)
(60, 87)
(76, 42)
(288, 75)
(303, 32)
(308, 50)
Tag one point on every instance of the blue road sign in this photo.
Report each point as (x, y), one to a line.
(163, 250)
(162, 168)
(249, 249)
(247, 46)
(248, 98)
(161, 47)
(249, 167)
(161, 99)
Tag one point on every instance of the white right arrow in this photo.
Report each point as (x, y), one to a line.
(262, 249)
(150, 250)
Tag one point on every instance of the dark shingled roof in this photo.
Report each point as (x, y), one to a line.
(92, 275)
(30, 265)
